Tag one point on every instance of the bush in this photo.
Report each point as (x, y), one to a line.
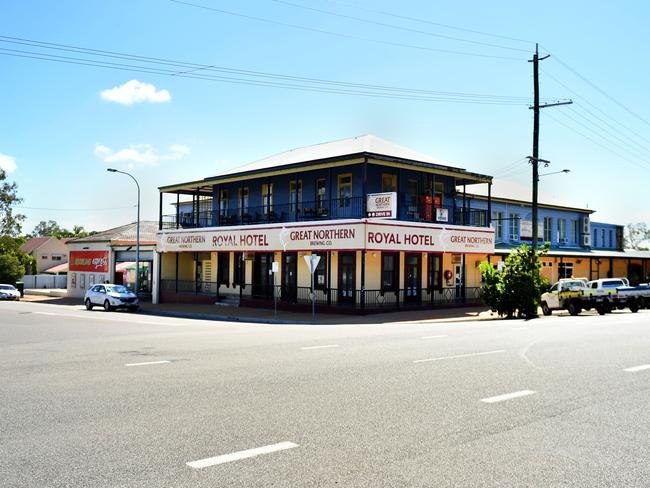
(11, 269)
(515, 291)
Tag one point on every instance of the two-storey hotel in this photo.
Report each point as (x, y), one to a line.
(392, 228)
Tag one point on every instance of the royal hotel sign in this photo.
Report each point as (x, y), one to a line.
(334, 236)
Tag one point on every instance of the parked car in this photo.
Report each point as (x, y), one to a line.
(9, 292)
(111, 297)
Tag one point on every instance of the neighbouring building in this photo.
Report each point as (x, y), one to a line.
(48, 252)
(111, 256)
(390, 225)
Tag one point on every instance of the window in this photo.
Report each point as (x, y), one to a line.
(56, 257)
(73, 280)
(434, 279)
(497, 218)
(388, 182)
(242, 201)
(602, 238)
(389, 271)
(82, 281)
(345, 190)
(321, 190)
(223, 273)
(239, 278)
(561, 231)
(565, 270)
(267, 197)
(295, 195)
(412, 191)
(575, 234)
(224, 200)
(513, 224)
(438, 194)
(44, 256)
(320, 275)
(611, 238)
(548, 229)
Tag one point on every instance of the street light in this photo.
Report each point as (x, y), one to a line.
(137, 231)
(556, 172)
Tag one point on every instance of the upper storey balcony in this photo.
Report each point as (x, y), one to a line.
(327, 182)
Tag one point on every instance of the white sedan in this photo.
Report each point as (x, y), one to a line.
(9, 292)
(111, 297)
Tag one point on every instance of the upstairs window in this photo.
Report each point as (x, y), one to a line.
(345, 190)
(267, 197)
(243, 200)
(561, 231)
(514, 227)
(438, 194)
(497, 219)
(224, 202)
(548, 229)
(388, 182)
(321, 195)
(295, 195)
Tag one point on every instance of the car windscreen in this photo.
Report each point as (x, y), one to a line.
(6, 287)
(612, 284)
(117, 289)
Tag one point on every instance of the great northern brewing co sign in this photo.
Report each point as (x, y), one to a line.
(382, 205)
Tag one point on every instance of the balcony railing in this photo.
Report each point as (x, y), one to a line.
(336, 208)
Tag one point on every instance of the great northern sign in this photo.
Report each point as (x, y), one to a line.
(333, 235)
(96, 261)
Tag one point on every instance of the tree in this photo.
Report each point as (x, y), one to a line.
(10, 223)
(49, 228)
(517, 289)
(11, 269)
(636, 235)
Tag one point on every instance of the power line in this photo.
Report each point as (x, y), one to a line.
(394, 26)
(323, 86)
(429, 22)
(75, 209)
(601, 91)
(342, 35)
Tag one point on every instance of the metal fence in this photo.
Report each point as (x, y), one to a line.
(45, 281)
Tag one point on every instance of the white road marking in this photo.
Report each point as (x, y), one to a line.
(319, 347)
(460, 356)
(148, 363)
(46, 313)
(236, 456)
(634, 369)
(518, 328)
(434, 337)
(508, 396)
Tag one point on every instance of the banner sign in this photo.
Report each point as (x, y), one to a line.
(94, 261)
(442, 215)
(290, 238)
(526, 230)
(332, 235)
(452, 239)
(382, 205)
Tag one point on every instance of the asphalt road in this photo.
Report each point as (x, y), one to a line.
(95, 399)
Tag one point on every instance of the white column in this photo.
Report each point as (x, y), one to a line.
(155, 281)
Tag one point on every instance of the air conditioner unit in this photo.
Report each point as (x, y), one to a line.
(585, 225)
(586, 240)
(564, 240)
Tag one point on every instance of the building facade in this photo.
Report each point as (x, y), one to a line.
(390, 227)
(48, 252)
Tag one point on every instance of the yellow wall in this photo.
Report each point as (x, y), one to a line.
(168, 266)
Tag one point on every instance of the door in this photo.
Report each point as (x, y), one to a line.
(290, 277)
(262, 276)
(458, 274)
(347, 272)
(412, 278)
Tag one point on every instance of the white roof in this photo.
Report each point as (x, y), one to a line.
(353, 145)
(511, 190)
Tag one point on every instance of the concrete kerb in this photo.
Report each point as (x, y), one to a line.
(221, 318)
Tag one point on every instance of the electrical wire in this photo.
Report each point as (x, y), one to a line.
(394, 26)
(75, 209)
(342, 35)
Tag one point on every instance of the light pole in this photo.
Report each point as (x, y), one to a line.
(556, 172)
(137, 231)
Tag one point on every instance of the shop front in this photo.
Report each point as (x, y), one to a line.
(364, 264)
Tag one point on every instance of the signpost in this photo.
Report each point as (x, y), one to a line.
(275, 268)
(312, 263)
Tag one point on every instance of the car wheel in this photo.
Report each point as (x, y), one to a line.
(574, 308)
(607, 307)
(107, 306)
(634, 306)
(89, 304)
(545, 310)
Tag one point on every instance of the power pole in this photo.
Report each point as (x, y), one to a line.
(534, 160)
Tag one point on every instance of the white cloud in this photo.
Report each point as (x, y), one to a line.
(141, 154)
(135, 91)
(7, 163)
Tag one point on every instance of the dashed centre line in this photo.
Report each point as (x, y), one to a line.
(148, 363)
(327, 346)
(508, 396)
(237, 456)
(635, 369)
(460, 356)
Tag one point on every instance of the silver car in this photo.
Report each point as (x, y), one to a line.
(111, 297)
(9, 292)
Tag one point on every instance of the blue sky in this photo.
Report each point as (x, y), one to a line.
(59, 131)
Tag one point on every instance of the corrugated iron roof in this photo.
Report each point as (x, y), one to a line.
(124, 234)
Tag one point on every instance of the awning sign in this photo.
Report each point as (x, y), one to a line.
(382, 205)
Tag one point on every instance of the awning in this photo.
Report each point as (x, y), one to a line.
(59, 268)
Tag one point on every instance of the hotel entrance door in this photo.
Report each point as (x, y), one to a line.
(347, 272)
(262, 276)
